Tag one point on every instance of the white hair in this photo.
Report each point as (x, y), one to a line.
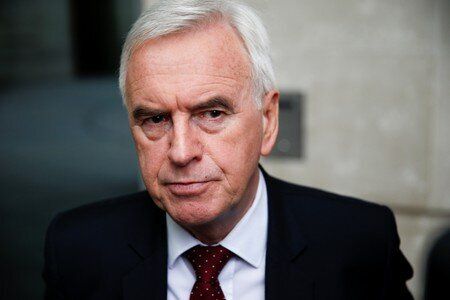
(172, 16)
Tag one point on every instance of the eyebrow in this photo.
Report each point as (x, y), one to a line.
(141, 112)
(214, 102)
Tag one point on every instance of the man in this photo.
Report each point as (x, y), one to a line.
(198, 84)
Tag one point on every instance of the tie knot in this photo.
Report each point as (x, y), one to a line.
(208, 261)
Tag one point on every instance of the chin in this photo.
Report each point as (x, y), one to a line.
(194, 216)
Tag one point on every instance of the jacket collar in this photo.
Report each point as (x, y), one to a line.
(287, 273)
(147, 239)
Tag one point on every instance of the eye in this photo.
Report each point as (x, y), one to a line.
(212, 120)
(213, 114)
(158, 119)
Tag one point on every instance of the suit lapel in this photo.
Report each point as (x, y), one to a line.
(287, 274)
(148, 241)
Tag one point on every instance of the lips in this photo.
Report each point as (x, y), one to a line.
(188, 189)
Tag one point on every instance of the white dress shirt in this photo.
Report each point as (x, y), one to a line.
(243, 276)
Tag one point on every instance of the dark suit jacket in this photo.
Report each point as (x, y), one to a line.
(320, 246)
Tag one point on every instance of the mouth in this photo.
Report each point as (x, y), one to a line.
(188, 189)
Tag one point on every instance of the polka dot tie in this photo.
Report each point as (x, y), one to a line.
(207, 262)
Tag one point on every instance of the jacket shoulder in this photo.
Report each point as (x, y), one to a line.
(103, 223)
(320, 197)
(105, 210)
(321, 213)
(90, 243)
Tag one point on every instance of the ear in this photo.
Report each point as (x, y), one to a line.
(270, 121)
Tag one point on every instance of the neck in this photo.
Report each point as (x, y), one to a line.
(215, 231)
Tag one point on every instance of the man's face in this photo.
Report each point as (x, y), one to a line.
(197, 130)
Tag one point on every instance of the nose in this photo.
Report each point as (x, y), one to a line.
(184, 145)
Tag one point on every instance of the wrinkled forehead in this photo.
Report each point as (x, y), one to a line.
(212, 49)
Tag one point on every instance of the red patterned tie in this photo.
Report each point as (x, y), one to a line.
(207, 262)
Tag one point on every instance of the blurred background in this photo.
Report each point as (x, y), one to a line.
(365, 88)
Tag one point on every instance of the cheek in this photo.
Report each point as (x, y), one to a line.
(237, 149)
(151, 156)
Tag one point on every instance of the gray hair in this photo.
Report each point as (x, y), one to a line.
(172, 16)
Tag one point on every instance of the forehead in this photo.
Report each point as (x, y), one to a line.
(211, 53)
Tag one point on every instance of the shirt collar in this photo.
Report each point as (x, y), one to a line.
(250, 230)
